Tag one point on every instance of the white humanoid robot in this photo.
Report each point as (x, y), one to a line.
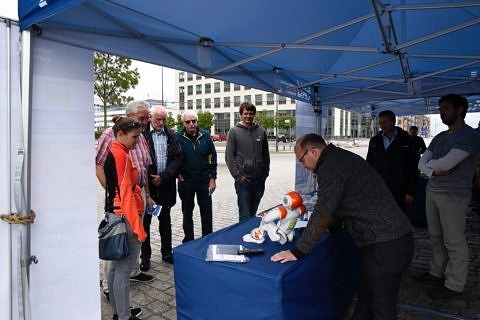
(279, 222)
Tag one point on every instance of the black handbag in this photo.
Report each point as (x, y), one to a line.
(112, 231)
(112, 237)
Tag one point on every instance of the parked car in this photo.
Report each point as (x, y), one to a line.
(219, 137)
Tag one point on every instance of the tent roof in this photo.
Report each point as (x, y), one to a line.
(346, 53)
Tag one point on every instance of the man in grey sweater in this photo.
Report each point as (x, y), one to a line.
(248, 160)
(352, 192)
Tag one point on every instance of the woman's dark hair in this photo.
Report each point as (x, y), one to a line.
(111, 182)
(124, 124)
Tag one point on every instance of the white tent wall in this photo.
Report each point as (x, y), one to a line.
(10, 136)
(65, 281)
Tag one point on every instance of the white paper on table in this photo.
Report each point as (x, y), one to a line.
(225, 252)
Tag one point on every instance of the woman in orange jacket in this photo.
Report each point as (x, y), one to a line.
(123, 197)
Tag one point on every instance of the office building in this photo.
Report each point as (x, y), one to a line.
(223, 99)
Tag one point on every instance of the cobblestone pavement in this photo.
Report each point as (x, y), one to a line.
(157, 299)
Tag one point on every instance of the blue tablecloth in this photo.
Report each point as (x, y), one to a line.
(319, 286)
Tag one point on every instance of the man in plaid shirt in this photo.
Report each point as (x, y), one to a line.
(138, 110)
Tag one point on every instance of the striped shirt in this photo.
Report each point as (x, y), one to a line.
(159, 138)
(140, 154)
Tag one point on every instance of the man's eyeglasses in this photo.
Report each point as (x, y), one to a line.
(303, 156)
(190, 121)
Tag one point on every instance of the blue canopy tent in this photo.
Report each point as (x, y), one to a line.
(322, 52)
(357, 55)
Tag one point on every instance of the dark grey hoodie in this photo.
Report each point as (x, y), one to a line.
(247, 152)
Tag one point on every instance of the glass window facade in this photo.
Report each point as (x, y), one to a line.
(258, 99)
(270, 98)
(222, 122)
(236, 101)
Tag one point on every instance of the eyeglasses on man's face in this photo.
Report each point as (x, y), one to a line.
(193, 121)
(303, 156)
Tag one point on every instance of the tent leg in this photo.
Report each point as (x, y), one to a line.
(9, 157)
(23, 176)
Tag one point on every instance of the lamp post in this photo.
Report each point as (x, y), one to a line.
(276, 123)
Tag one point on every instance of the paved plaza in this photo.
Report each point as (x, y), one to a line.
(157, 299)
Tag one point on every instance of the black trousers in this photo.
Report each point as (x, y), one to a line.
(165, 227)
(381, 268)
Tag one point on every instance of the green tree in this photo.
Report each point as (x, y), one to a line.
(285, 124)
(205, 120)
(113, 76)
(264, 120)
(179, 122)
(170, 122)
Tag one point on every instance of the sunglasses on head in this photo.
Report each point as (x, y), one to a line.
(134, 124)
(190, 121)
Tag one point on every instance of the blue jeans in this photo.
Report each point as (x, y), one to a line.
(187, 191)
(249, 194)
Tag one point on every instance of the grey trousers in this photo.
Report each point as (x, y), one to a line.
(119, 277)
(446, 214)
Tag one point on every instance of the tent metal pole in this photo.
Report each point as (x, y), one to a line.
(9, 157)
(371, 65)
(300, 41)
(437, 34)
(429, 75)
(434, 6)
(442, 56)
(26, 106)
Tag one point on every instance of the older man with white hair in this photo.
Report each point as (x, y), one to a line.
(198, 173)
(166, 159)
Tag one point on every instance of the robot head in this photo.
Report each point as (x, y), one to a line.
(292, 200)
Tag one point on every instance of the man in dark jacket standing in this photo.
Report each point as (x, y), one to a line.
(166, 155)
(350, 191)
(198, 173)
(393, 154)
(248, 160)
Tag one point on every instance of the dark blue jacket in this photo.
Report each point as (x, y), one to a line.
(199, 157)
